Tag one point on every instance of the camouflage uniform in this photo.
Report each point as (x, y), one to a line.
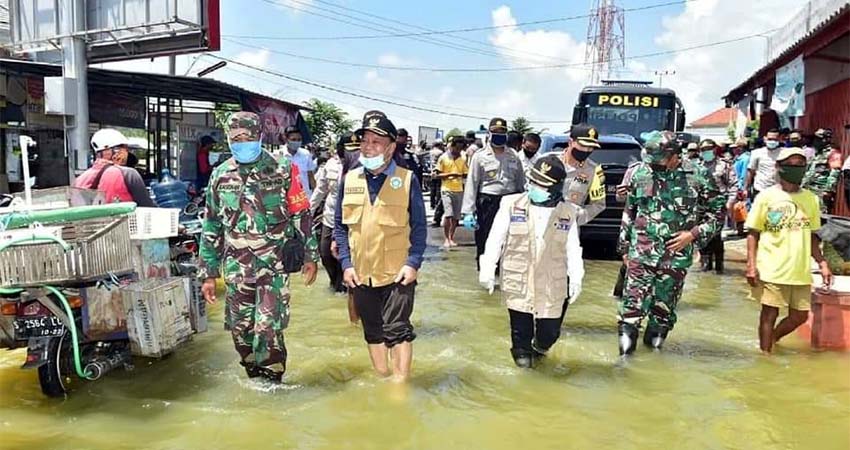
(822, 180)
(251, 211)
(660, 204)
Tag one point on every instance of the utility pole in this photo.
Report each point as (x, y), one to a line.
(75, 67)
(662, 73)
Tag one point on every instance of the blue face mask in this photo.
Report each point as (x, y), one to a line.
(372, 163)
(293, 146)
(771, 144)
(708, 155)
(246, 152)
(538, 195)
(498, 140)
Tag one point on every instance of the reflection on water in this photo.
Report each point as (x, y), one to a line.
(709, 388)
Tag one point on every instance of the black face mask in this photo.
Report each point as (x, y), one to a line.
(580, 155)
(529, 154)
(350, 160)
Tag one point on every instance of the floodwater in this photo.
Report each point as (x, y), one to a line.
(709, 388)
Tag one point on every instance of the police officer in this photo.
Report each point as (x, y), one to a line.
(494, 171)
(822, 175)
(381, 232)
(585, 186)
(254, 205)
(666, 212)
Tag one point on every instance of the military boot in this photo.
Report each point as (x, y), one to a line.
(706, 262)
(628, 338)
(655, 335)
(251, 369)
(718, 265)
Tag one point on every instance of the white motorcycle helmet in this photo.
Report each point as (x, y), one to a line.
(108, 138)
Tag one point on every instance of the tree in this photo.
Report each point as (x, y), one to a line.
(326, 121)
(521, 125)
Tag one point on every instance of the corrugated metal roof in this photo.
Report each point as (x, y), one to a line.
(148, 84)
(739, 91)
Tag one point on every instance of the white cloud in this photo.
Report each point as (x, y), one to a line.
(258, 58)
(704, 75)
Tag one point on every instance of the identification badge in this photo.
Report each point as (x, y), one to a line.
(395, 182)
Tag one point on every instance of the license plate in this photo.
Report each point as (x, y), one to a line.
(38, 326)
(611, 188)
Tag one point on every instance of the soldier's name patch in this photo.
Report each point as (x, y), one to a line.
(229, 187)
(395, 182)
(271, 184)
(355, 190)
(519, 218)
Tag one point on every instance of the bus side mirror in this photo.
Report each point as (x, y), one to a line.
(577, 114)
(680, 120)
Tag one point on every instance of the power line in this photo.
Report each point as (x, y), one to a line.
(449, 31)
(580, 65)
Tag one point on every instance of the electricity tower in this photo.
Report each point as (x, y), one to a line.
(606, 38)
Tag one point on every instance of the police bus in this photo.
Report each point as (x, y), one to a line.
(629, 107)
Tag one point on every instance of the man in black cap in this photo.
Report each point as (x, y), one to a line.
(403, 157)
(535, 235)
(585, 184)
(381, 234)
(494, 171)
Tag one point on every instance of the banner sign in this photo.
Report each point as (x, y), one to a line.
(275, 117)
(117, 110)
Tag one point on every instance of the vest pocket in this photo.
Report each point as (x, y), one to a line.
(394, 217)
(351, 214)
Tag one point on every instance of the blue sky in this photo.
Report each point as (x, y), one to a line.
(702, 76)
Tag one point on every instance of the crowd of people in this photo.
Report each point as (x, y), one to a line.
(367, 203)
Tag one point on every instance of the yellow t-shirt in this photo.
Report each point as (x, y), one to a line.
(447, 164)
(785, 222)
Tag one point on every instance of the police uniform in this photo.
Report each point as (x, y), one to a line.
(585, 185)
(491, 176)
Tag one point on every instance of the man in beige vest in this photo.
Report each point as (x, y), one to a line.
(535, 236)
(381, 233)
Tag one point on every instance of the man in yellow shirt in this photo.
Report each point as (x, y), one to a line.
(782, 223)
(452, 171)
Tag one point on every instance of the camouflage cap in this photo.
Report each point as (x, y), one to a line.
(660, 145)
(244, 122)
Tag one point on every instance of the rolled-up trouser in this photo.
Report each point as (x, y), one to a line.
(653, 291)
(258, 314)
(331, 264)
(486, 207)
(385, 313)
(529, 334)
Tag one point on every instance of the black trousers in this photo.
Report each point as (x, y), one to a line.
(486, 206)
(713, 253)
(435, 192)
(331, 264)
(530, 335)
(385, 313)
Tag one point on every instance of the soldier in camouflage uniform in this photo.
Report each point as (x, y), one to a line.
(821, 176)
(254, 206)
(667, 211)
(721, 172)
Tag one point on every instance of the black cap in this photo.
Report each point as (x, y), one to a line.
(207, 140)
(348, 141)
(377, 122)
(548, 171)
(585, 134)
(470, 134)
(457, 140)
(402, 132)
(291, 129)
(498, 125)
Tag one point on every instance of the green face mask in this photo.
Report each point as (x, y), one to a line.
(792, 174)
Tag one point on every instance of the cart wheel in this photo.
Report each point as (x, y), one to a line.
(53, 375)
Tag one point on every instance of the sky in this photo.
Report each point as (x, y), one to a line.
(269, 34)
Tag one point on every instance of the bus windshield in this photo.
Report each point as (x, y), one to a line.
(631, 121)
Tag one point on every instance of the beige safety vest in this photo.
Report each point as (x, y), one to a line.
(531, 282)
(379, 233)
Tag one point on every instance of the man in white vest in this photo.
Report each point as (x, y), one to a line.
(535, 236)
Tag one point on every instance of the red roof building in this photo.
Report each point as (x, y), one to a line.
(717, 119)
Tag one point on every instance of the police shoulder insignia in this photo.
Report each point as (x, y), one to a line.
(395, 182)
